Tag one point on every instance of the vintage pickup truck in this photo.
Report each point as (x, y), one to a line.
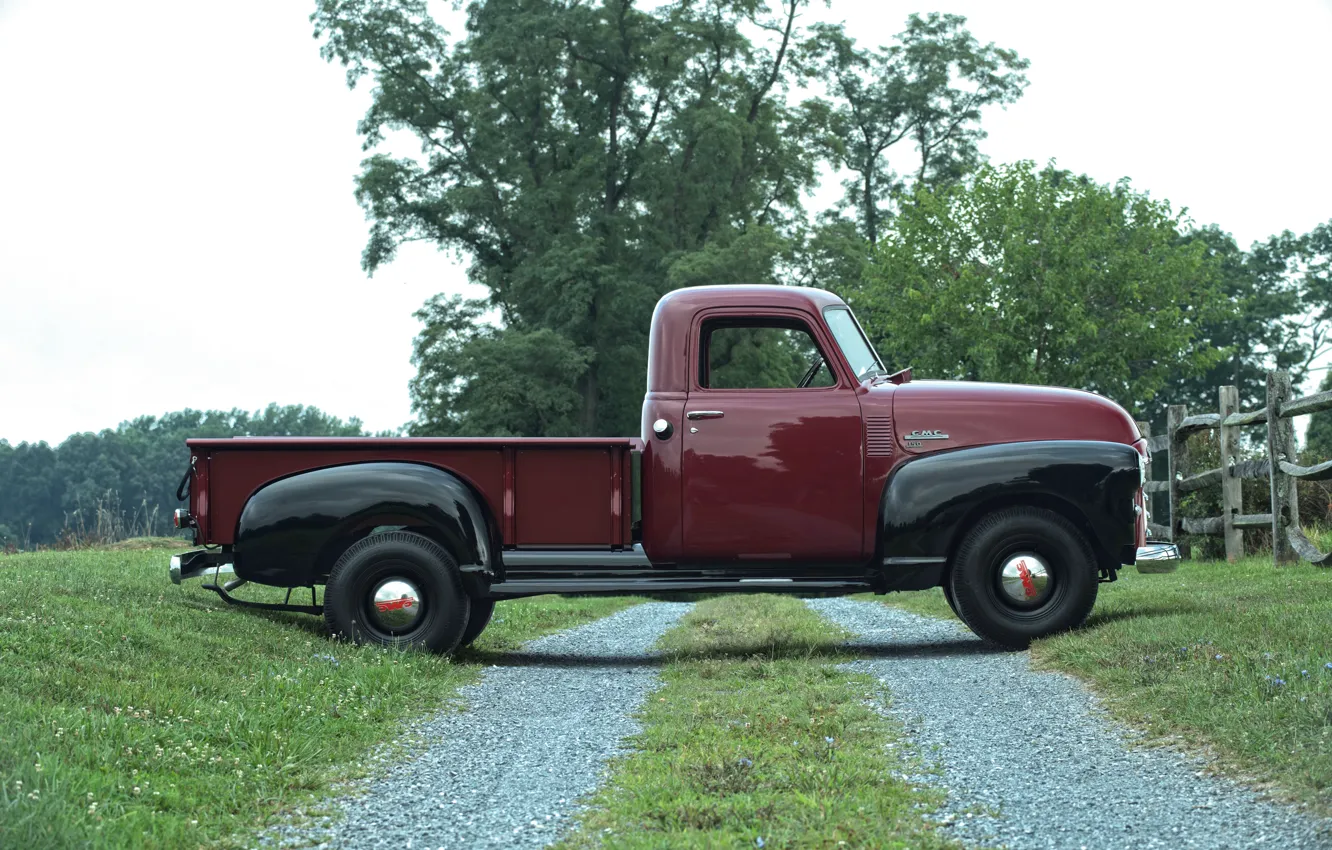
(1017, 500)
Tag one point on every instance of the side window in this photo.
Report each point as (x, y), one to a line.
(766, 354)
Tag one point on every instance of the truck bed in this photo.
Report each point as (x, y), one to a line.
(543, 493)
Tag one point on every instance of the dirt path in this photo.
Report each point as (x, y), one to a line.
(1029, 761)
(535, 735)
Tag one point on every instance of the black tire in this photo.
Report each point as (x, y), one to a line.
(1006, 537)
(948, 597)
(477, 622)
(349, 603)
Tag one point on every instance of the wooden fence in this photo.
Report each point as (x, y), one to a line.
(1280, 468)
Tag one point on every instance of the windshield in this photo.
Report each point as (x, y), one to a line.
(859, 353)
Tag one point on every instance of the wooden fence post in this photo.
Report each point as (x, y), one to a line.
(1145, 429)
(1177, 459)
(1281, 446)
(1231, 493)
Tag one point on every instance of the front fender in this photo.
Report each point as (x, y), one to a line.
(930, 501)
(292, 529)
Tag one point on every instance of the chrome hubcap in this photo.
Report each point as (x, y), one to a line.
(395, 605)
(1025, 579)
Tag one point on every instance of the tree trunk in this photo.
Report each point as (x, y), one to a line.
(587, 388)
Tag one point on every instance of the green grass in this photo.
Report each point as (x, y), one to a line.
(1200, 656)
(140, 714)
(757, 739)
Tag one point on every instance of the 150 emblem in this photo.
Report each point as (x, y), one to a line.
(913, 440)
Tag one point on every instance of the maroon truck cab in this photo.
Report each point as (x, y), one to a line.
(748, 475)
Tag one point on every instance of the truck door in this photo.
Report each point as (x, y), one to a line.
(772, 442)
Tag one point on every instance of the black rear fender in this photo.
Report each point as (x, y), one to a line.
(930, 502)
(293, 529)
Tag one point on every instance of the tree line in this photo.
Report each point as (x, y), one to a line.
(589, 157)
(126, 476)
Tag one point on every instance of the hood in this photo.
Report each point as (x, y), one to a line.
(934, 415)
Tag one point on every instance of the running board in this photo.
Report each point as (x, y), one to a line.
(517, 587)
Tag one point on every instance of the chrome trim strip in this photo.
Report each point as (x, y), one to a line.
(907, 562)
(520, 559)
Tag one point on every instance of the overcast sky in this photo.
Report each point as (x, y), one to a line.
(177, 226)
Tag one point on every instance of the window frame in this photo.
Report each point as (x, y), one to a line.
(742, 316)
(855, 322)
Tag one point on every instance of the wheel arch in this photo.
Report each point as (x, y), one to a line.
(929, 502)
(293, 529)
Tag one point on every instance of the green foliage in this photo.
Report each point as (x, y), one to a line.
(475, 379)
(1272, 313)
(1040, 277)
(1318, 439)
(131, 470)
(927, 89)
(588, 158)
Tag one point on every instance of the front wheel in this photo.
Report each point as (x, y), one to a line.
(1023, 573)
(397, 589)
(478, 620)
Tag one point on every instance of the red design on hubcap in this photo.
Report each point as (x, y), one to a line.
(1028, 586)
(395, 604)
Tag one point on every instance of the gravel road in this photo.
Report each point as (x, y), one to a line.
(535, 735)
(1035, 749)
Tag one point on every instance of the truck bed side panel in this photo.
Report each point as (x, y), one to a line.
(540, 493)
(567, 498)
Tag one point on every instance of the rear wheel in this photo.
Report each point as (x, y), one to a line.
(478, 620)
(1023, 573)
(397, 589)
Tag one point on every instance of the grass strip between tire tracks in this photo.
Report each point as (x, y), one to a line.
(1235, 657)
(756, 739)
(139, 714)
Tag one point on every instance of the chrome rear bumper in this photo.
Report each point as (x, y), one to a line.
(1158, 557)
(196, 563)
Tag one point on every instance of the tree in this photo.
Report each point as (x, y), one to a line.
(587, 157)
(1318, 439)
(130, 471)
(928, 89)
(1042, 277)
(1252, 328)
(473, 378)
(1275, 302)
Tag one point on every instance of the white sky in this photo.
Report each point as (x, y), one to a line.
(177, 226)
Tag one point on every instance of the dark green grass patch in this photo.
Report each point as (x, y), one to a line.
(756, 739)
(140, 714)
(1237, 657)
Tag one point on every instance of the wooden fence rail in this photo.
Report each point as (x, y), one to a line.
(1279, 468)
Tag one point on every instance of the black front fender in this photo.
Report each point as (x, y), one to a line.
(929, 502)
(292, 529)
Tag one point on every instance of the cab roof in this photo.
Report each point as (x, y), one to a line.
(675, 313)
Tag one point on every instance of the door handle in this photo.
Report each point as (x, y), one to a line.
(705, 414)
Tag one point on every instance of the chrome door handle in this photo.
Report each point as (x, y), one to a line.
(705, 414)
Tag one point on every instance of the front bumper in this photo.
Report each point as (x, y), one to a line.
(197, 562)
(1157, 557)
